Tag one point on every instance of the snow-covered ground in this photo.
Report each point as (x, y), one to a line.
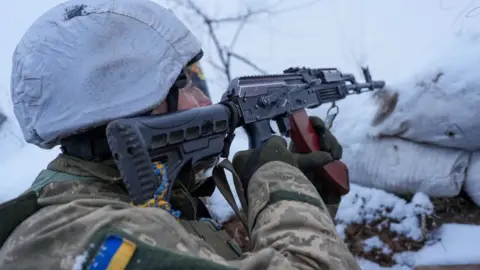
(393, 37)
(452, 244)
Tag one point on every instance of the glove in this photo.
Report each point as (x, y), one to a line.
(249, 161)
(308, 163)
(330, 149)
(327, 142)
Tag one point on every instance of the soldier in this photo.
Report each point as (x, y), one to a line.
(87, 62)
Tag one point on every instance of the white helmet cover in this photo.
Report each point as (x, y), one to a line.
(85, 63)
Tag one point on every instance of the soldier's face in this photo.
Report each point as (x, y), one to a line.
(191, 97)
(188, 97)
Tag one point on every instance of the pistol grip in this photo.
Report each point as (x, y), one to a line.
(334, 174)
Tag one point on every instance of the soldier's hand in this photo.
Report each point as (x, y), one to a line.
(330, 149)
(309, 163)
(247, 162)
(327, 142)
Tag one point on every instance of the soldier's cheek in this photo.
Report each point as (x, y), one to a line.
(201, 98)
(186, 101)
(192, 97)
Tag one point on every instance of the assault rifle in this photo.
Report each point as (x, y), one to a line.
(189, 137)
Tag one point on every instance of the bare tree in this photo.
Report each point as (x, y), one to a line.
(248, 12)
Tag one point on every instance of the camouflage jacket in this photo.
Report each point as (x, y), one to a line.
(89, 224)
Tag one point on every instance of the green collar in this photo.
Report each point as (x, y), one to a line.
(102, 170)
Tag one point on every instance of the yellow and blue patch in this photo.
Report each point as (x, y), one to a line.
(114, 254)
(159, 198)
(197, 71)
(198, 78)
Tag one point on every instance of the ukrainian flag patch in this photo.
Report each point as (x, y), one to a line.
(114, 254)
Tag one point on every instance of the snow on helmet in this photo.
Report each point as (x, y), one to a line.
(85, 63)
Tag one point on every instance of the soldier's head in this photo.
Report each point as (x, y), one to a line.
(85, 63)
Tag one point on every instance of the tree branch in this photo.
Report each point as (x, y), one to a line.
(248, 62)
(226, 53)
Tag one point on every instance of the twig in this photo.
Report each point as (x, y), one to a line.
(226, 53)
(248, 62)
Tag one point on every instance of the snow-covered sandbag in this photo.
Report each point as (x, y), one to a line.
(472, 180)
(440, 104)
(405, 167)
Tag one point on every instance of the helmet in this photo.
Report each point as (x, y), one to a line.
(85, 63)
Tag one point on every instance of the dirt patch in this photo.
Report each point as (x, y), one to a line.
(459, 209)
(377, 242)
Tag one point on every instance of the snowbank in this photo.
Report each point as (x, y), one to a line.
(439, 103)
(405, 167)
(426, 142)
(439, 106)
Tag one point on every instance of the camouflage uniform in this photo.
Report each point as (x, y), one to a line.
(79, 217)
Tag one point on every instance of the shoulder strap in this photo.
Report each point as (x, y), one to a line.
(15, 211)
(48, 176)
(220, 179)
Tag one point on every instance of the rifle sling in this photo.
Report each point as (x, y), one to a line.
(221, 182)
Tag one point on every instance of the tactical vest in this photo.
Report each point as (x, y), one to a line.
(17, 210)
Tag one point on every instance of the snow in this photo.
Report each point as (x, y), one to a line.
(20, 162)
(447, 83)
(80, 261)
(368, 265)
(458, 245)
(376, 242)
(451, 244)
(367, 205)
(341, 33)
